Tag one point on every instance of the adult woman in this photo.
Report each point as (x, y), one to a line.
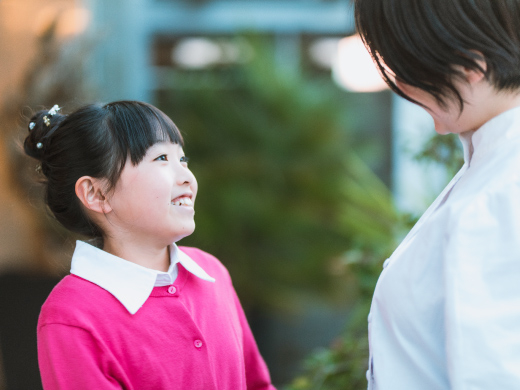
(446, 309)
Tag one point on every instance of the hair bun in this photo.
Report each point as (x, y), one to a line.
(41, 126)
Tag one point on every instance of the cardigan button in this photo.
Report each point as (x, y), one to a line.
(197, 343)
(172, 290)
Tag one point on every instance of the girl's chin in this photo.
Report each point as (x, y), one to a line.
(441, 128)
(179, 235)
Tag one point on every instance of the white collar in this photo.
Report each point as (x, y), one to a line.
(491, 135)
(130, 283)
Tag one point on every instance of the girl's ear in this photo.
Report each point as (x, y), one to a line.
(90, 192)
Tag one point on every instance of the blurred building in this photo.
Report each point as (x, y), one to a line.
(149, 46)
(145, 40)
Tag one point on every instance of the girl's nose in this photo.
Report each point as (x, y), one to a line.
(184, 175)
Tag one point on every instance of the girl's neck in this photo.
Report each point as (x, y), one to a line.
(147, 256)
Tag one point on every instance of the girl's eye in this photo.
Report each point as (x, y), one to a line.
(162, 157)
(184, 159)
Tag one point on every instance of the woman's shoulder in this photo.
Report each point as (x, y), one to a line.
(485, 216)
(497, 190)
(490, 184)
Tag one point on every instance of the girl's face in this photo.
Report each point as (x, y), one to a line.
(152, 201)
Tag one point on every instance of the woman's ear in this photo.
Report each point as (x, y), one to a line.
(90, 192)
(476, 75)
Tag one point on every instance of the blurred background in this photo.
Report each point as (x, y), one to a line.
(309, 170)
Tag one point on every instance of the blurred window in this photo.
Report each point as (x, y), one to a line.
(200, 52)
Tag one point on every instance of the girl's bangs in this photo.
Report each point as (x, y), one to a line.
(138, 126)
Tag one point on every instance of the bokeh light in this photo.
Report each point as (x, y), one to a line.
(353, 68)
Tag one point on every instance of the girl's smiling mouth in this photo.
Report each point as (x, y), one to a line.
(183, 200)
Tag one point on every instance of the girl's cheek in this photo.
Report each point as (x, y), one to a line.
(194, 184)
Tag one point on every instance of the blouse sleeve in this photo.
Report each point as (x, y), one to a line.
(482, 285)
(70, 358)
(257, 374)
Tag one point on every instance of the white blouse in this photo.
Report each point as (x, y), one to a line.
(446, 309)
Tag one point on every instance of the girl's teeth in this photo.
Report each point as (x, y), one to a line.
(183, 202)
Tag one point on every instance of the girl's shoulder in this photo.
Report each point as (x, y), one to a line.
(74, 301)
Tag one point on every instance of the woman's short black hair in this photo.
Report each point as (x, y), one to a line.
(420, 41)
(95, 140)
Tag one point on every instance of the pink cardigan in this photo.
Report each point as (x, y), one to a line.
(194, 336)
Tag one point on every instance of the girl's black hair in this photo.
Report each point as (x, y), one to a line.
(419, 41)
(95, 141)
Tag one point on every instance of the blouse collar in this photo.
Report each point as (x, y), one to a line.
(494, 133)
(130, 283)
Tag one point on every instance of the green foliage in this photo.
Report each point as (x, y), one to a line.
(443, 149)
(344, 363)
(373, 224)
(283, 201)
(342, 366)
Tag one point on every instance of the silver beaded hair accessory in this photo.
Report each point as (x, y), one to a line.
(53, 111)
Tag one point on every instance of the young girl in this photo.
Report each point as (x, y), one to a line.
(137, 312)
(446, 309)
